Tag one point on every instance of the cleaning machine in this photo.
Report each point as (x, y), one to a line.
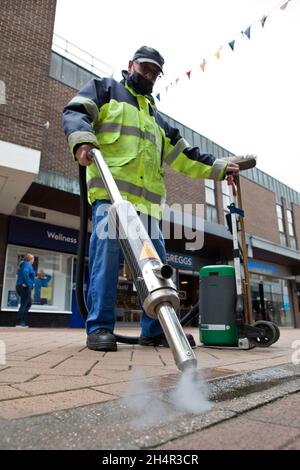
(225, 298)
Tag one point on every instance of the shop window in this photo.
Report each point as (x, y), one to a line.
(210, 199)
(211, 214)
(293, 243)
(128, 308)
(188, 294)
(52, 291)
(225, 199)
(291, 230)
(271, 300)
(282, 235)
(210, 192)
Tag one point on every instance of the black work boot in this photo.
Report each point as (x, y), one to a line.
(101, 339)
(160, 340)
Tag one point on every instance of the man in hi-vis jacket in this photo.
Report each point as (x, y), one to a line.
(121, 119)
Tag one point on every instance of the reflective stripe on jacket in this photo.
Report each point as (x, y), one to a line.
(135, 141)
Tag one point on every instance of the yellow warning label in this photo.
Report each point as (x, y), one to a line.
(147, 252)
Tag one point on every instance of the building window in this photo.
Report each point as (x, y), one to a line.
(291, 230)
(210, 199)
(282, 234)
(53, 286)
(271, 300)
(69, 73)
(225, 199)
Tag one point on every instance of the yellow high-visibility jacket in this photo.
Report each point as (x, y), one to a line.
(135, 141)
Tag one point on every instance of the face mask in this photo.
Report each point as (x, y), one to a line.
(140, 84)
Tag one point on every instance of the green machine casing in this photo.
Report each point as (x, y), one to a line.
(217, 323)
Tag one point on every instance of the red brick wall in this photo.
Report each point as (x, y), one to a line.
(56, 156)
(259, 205)
(182, 189)
(25, 48)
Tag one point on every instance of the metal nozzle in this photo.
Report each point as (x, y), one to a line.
(181, 349)
(164, 272)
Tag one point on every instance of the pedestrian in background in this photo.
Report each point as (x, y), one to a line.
(24, 286)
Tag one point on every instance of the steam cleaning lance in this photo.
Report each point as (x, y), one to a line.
(157, 292)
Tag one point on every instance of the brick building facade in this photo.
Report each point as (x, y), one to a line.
(42, 200)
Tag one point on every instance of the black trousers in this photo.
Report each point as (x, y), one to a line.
(25, 296)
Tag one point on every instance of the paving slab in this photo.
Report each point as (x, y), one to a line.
(236, 434)
(47, 362)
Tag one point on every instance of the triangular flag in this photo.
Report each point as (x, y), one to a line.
(158, 96)
(283, 7)
(231, 44)
(202, 66)
(189, 74)
(247, 32)
(263, 20)
(217, 53)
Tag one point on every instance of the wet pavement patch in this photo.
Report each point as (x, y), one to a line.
(113, 425)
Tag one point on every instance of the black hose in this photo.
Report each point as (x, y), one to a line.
(82, 238)
(80, 299)
(190, 315)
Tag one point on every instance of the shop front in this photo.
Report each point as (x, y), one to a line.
(128, 308)
(186, 278)
(271, 292)
(54, 248)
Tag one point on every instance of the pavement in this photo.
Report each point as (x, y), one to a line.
(57, 394)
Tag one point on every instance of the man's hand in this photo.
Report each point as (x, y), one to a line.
(232, 169)
(81, 154)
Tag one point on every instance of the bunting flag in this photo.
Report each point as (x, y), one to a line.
(283, 7)
(231, 44)
(202, 66)
(247, 32)
(217, 53)
(263, 20)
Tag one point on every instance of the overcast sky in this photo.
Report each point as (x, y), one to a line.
(247, 101)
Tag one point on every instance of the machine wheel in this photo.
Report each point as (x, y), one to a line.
(277, 331)
(271, 334)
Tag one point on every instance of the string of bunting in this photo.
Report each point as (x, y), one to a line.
(246, 32)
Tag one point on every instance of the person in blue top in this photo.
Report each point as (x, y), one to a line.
(24, 286)
(42, 280)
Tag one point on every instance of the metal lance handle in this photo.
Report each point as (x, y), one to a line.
(152, 279)
(109, 182)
